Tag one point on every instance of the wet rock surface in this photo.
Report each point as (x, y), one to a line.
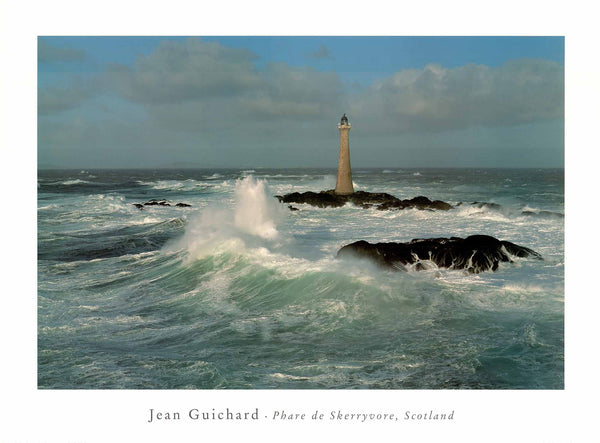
(476, 253)
(377, 200)
(157, 202)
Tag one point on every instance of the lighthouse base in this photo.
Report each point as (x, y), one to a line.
(377, 200)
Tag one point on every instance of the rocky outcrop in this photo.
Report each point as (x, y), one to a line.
(155, 202)
(377, 200)
(321, 199)
(476, 253)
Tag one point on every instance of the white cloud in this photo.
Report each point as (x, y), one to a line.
(195, 85)
(52, 99)
(185, 71)
(436, 98)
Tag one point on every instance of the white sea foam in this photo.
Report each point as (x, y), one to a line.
(215, 293)
(319, 184)
(51, 206)
(279, 375)
(174, 185)
(76, 181)
(102, 203)
(523, 288)
(219, 228)
(255, 211)
(485, 212)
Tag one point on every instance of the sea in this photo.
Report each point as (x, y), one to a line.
(238, 291)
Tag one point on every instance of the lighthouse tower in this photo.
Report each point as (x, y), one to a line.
(343, 185)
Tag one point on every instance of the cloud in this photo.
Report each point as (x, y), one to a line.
(320, 53)
(48, 53)
(296, 92)
(185, 71)
(52, 99)
(436, 98)
(196, 85)
(197, 99)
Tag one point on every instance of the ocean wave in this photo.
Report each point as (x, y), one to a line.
(540, 213)
(254, 216)
(214, 176)
(73, 186)
(47, 207)
(163, 298)
(101, 244)
(76, 181)
(70, 182)
(188, 185)
(498, 212)
(469, 188)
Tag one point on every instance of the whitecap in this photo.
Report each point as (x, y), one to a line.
(76, 181)
(214, 176)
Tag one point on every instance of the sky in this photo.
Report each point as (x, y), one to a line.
(251, 102)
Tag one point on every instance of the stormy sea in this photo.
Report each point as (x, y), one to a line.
(202, 279)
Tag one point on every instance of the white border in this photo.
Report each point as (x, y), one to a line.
(89, 416)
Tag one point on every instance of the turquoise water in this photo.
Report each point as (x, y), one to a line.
(238, 292)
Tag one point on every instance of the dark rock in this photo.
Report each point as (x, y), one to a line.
(322, 199)
(379, 200)
(292, 208)
(155, 202)
(476, 253)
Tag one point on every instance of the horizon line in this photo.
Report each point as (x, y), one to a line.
(57, 168)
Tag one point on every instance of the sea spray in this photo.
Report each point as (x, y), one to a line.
(250, 222)
(255, 211)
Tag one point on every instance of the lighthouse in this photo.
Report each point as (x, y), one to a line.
(343, 184)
